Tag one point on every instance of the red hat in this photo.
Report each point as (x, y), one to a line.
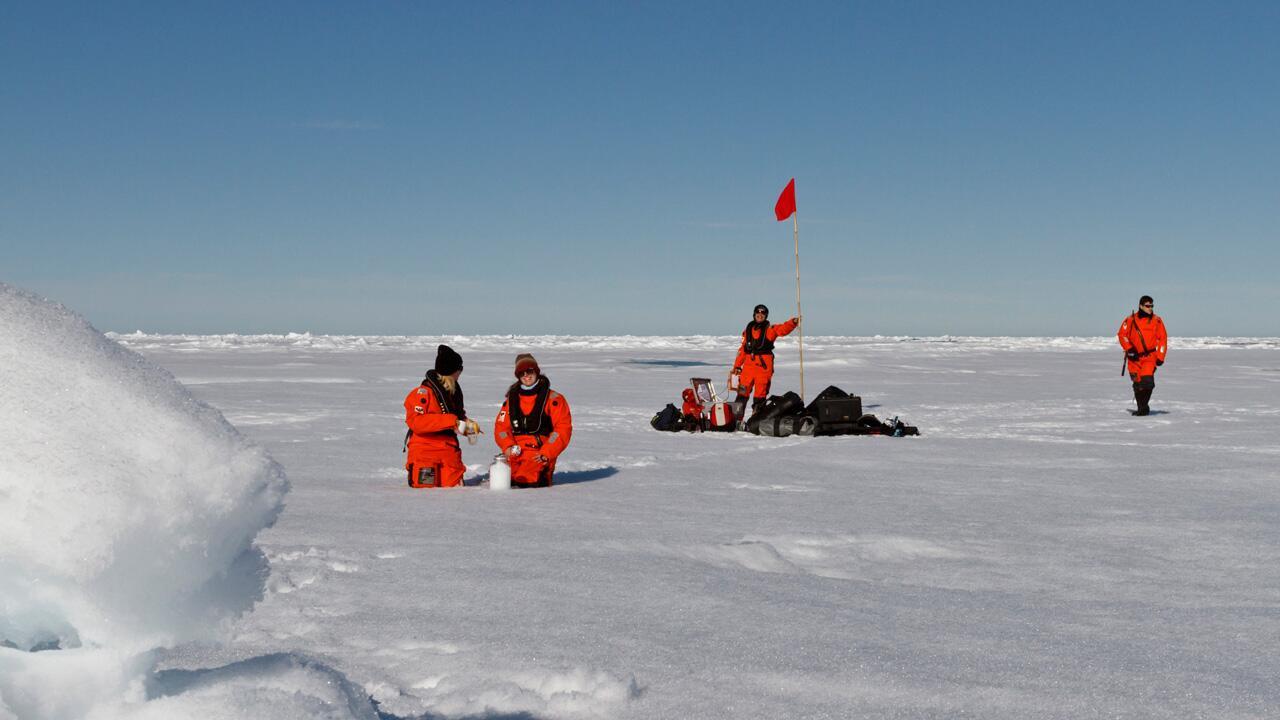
(688, 395)
(525, 361)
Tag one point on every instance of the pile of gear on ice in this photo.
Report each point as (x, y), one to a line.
(832, 412)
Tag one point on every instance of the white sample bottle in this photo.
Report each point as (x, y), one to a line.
(500, 474)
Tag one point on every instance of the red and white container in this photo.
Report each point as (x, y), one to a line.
(721, 415)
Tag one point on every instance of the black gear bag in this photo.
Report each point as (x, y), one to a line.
(788, 404)
(834, 406)
(668, 419)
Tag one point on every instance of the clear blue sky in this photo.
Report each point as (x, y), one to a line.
(1007, 168)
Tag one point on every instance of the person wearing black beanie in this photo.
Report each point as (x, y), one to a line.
(448, 361)
(1145, 343)
(436, 415)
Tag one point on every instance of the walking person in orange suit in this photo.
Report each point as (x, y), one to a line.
(1145, 342)
(534, 425)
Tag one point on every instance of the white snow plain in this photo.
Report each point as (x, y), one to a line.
(1037, 552)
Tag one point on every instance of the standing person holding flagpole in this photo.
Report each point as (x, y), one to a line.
(752, 372)
(783, 209)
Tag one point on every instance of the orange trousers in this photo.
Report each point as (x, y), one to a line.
(444, 468)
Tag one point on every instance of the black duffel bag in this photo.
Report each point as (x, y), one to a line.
(786, 426)
(777, 406)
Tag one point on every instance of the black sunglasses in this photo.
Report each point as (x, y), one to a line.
(1146, 305)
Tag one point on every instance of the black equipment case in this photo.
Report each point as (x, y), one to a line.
(834, 406)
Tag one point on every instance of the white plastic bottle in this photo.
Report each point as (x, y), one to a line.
(500, 474)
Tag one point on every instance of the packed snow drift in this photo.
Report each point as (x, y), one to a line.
(128, 511)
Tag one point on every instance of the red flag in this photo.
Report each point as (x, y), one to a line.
(786, 206)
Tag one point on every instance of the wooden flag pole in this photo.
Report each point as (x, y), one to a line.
(795, 223)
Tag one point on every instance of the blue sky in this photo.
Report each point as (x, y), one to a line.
(424, 168)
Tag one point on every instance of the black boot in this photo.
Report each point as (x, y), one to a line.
(1150, 381)
(752, 423)
(740, 411)
(1142, 390)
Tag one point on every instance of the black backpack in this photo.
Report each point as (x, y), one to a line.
(668, 419)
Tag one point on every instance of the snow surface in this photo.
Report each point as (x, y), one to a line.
(1038, 552)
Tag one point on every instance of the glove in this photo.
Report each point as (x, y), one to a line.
(795, 320)
(462, 427)
(513, 451)
(473, 427)
(1132, 354)
(737, 371)
(1159, 363)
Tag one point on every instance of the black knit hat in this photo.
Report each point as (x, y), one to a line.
(761, 309)
(448, 362)
(1145, 299)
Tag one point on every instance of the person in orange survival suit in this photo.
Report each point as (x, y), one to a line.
(534, 425)
(435, 414)
(691, 411)
(1145, 343)
(754, 364)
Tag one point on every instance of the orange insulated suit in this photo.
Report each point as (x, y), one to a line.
(434, 457)
(1145, 343)
(755, 357)
(1143, 335)
(538, 421)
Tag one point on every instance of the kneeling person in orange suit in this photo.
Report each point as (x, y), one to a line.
(533, 427)
(435, 414)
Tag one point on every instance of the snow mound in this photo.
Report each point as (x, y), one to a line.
(127, 508)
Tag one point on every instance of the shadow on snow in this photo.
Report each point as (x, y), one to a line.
(169, 683)
(672, 363)
(568, 477)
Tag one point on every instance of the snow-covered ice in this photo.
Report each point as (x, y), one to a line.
(1037, 552)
